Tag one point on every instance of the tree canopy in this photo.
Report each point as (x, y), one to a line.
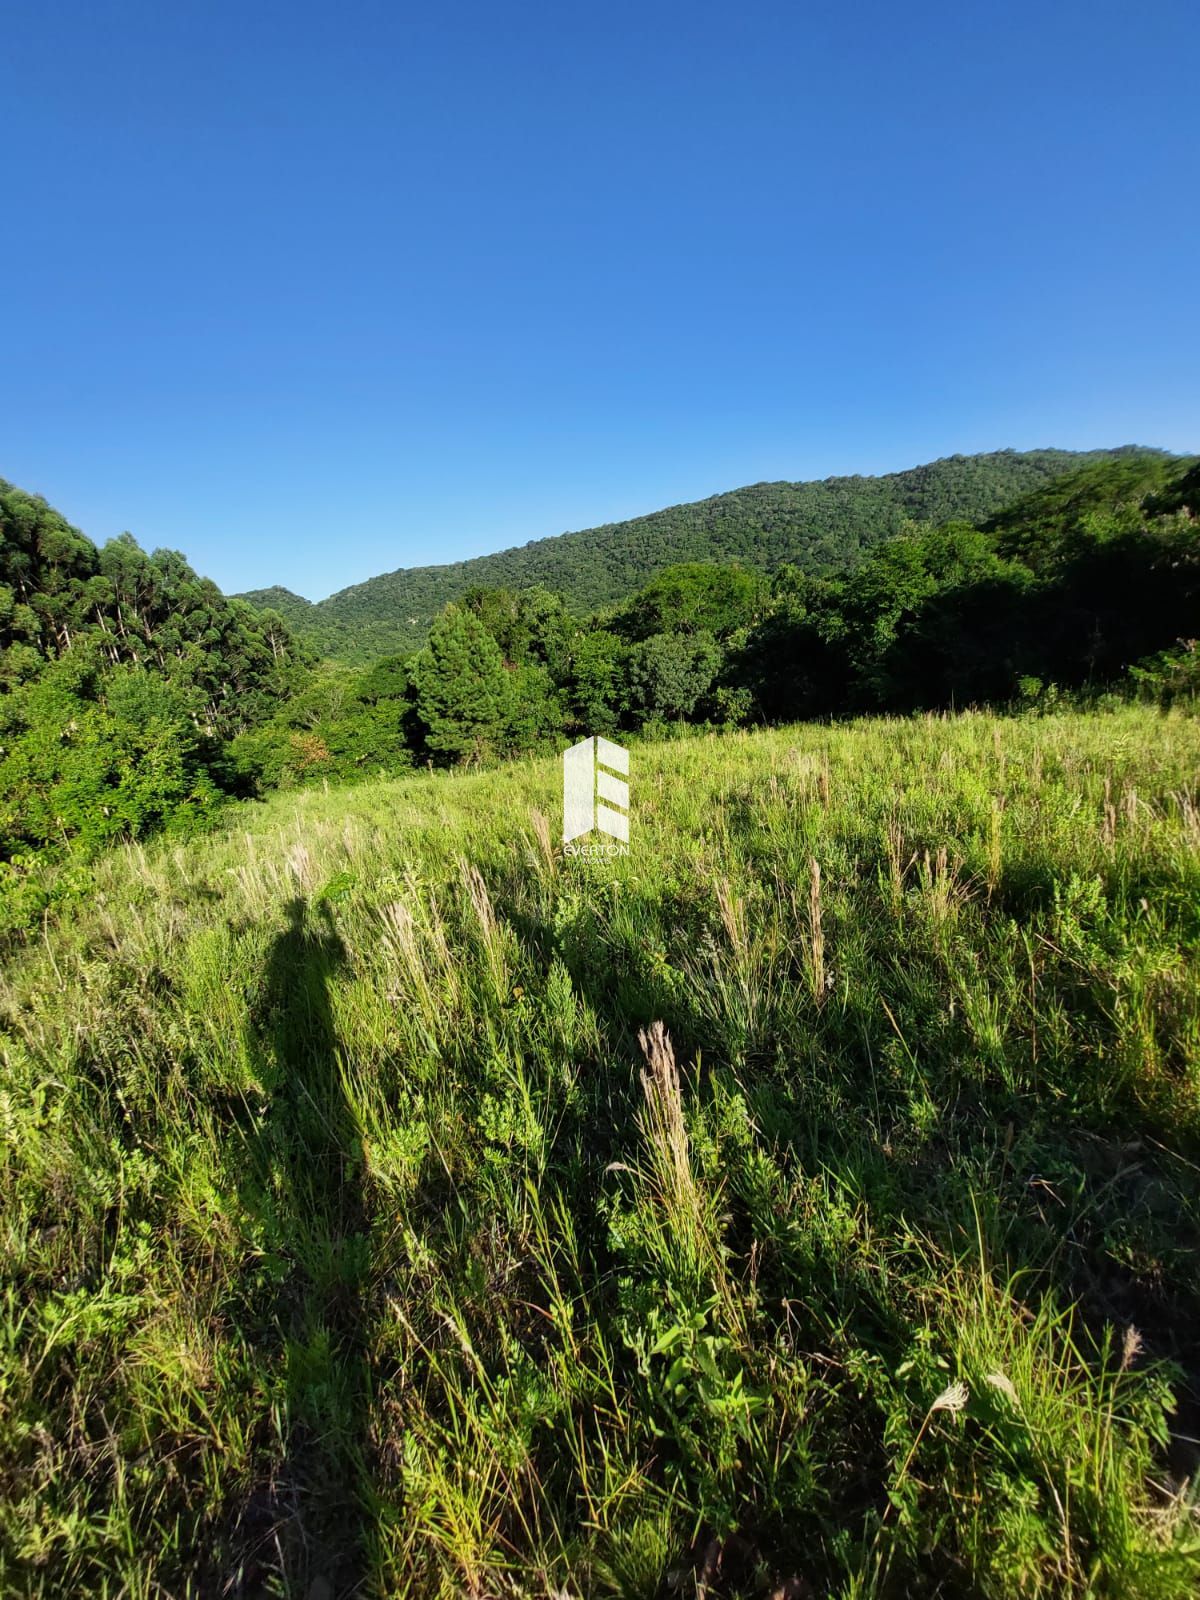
(821, 527)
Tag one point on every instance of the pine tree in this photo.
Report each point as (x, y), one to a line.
(462, 688)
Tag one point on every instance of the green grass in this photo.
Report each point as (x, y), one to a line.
(805, 1204)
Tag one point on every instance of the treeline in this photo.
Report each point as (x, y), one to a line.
(508, 672)
(823, 527)
(134, 697)
(1090, 584)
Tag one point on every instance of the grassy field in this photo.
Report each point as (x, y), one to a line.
(806, 1204)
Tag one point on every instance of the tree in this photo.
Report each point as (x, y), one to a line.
(90, 756)
(824, 527)
(462, 689)
(535, 715)
(693, 597)
(595, 691)
(670, 673)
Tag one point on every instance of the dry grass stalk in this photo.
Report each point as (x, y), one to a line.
(995, 845)
(664, 1130)
(733, 915)
(945, 892)
(895, 850)
(300, 864)
(541, 832)
(953, 1399)
(816, 933)
(430, 981)
(1131, 1347)
(492, 934)
(1189, 816)
(1108, 828)
(481, 900)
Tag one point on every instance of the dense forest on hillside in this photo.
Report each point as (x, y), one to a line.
(1087, 583)
(820, 527)
(135, 697)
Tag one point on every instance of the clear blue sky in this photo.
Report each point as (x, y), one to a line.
(314, 291)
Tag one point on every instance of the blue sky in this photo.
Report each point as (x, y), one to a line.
(312, 291)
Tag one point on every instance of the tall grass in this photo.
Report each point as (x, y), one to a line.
(806, 1203)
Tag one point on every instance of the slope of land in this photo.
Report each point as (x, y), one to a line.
(364, 1231)
(819, 526)
(135, 698)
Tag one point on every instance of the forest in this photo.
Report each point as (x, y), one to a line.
(137, 698)
(821, 527)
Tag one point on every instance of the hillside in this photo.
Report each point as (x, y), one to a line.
(804, 1204)
(135, 698)
(293, 608)
(1039, 526)
(818, 526)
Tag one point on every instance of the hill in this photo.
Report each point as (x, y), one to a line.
(135, 698)
(806, 1203)
(819, 526)
(293, 608)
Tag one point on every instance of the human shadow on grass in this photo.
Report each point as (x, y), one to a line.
(303, 1184)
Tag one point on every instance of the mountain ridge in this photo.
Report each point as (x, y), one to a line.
(817, 524)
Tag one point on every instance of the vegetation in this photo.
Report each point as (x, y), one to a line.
(135, 698)
(805, 1203)
(123, 680)
(1070, 589)
(1089, 585)
(820, 527)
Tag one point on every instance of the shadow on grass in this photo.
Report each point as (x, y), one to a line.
(303, 1533)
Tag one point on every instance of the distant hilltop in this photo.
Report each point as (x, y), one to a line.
(819, 526)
